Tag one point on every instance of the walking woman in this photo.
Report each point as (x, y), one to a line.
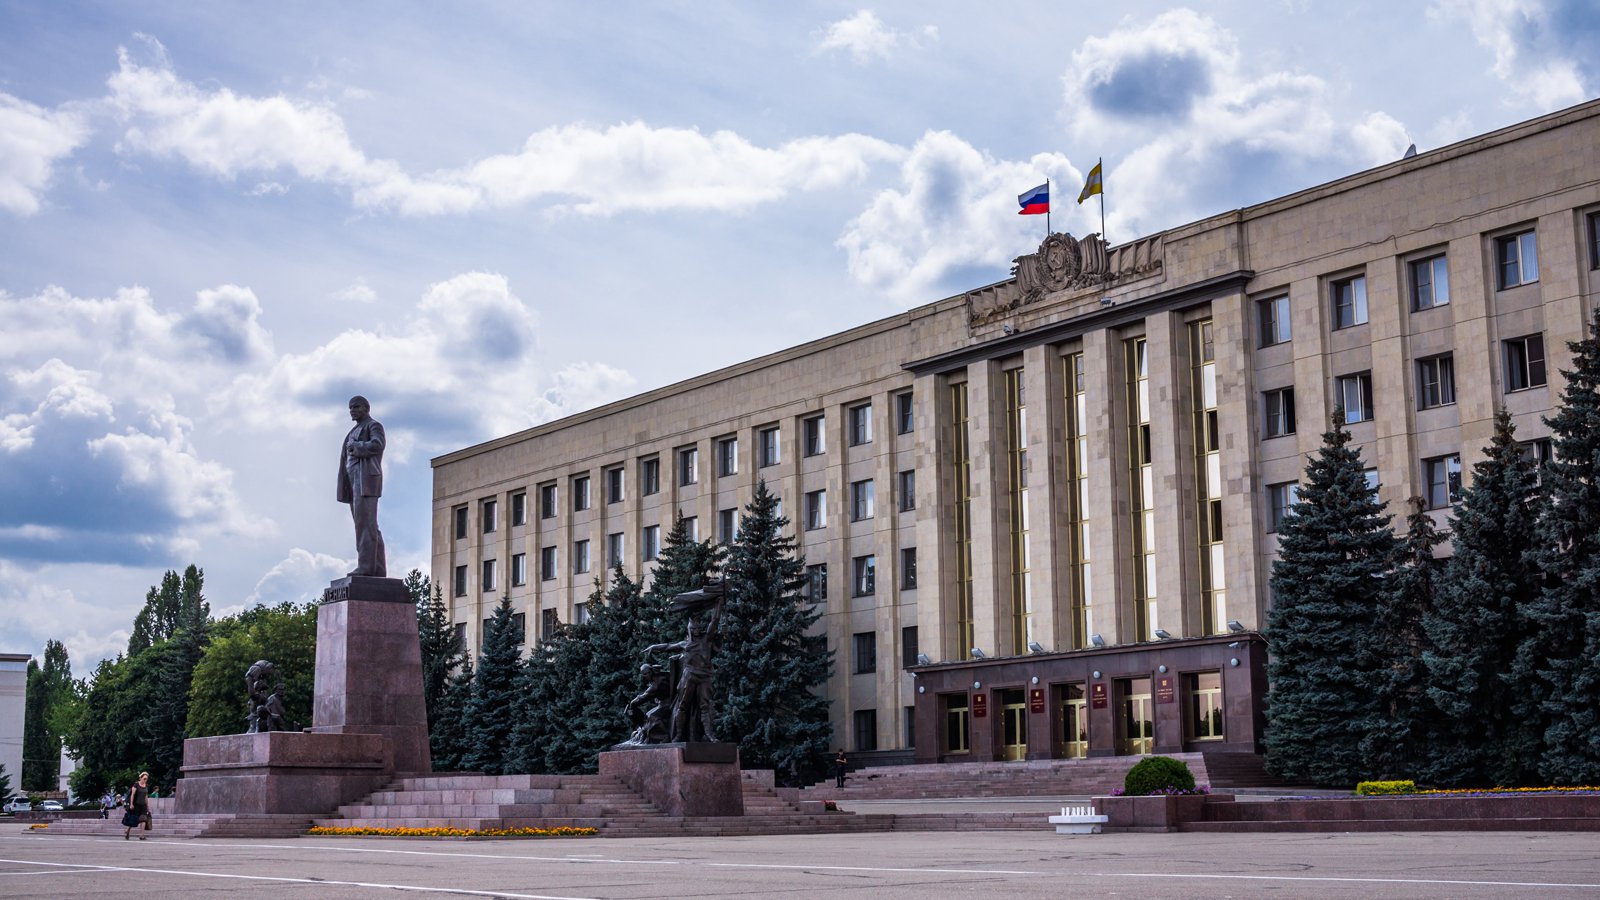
(138, 806)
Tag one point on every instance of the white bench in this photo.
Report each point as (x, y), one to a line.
(1077, 820)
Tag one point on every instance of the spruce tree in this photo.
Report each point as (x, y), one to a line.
(448, 738)
(771, 669)
(442, 652)
(615, 653)
(492, 708)
(562, 697)
(1328, 584)
(683, 565)
(1395, 744)
(1559, 661)
(1485, 730)
(535, 724)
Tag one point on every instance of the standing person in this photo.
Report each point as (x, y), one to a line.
(138, 806)
(361, 484)
(840, 766)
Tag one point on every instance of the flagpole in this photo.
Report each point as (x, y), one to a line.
(1101, 165)
(1047, 208)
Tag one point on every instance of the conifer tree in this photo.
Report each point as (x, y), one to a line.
(535, 725)
(1394, 745)
(492, 708)
(5, 785)
(684, 564)
(1485, 733)
(442, 652)
(562, 696)
(1559, 661)
(771, 669)
(1335, 552)
(615, 653)
(47, 686)
(448, 738)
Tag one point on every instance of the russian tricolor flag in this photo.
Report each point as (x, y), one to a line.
(1035, 202)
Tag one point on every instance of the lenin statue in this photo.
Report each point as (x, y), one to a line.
(361, 484)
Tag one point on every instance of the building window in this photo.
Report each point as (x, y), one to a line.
(1442, 474)
(580, 493)
(691, 527)
(905, 416)
(519, 509)
(1204, 709)
(649, 476)
(956, 722)
(1594, 240)
(580, 613)
(1516, 259)
(519, 569)
(861, 424)
(614, 485)
(1430, 282)
(547, 501)
(767, 446)
(614, 549)
(580, 556)
(1538, 451)
(866, 729)
(1355, 395)
(488, 575)
(1279, 411)
(490, 514)
(816, 510)
(727, 525)
(650, 542)
(1349, 297)
(727, 457)
(908, 490)
(1280, 499)
(547, 564)
(861, 500)
(911, 727)
(814, 435)
(1524, 362)
(865, 652)
(1436, 381)
(865, 579)
(908, 568)
(461, 635)
(1274, 316)
(688, 466)
(548, 622)
(817, 582)
(461, 523)
(1370, 476)
(461, 581)
(519, 627)
(908, 646)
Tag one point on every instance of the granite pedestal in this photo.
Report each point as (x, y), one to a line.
(691, 779)
(281, 772)
(369, 668)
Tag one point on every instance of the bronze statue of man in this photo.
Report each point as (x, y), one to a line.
(361, 484)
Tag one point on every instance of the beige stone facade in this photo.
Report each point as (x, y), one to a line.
(1095, 444)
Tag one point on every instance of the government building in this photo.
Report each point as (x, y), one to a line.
(1038, 517)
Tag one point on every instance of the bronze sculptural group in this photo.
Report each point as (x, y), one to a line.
(265, 689)
(680, 710)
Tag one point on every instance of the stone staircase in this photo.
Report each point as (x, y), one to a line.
(167, 824)
(1509, 812)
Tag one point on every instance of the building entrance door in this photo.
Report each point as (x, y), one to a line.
(1136, 729)
(1074, 712)
(1013, 724)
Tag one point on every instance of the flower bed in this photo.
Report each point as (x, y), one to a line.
(563, 831)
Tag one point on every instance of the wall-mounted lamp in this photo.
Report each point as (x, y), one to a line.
(1163, 634)
(1097, 640)
(1034, 680)
(1234, 661)
(921, 689)
(977, 653)
(1035, 647)
(1096, 673)
(1162, 669)
(976, 685)
(1235, 626)
(923, 660)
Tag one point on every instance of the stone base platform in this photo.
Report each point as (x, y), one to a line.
(281, 772)
(687, 779)
(1226, 813)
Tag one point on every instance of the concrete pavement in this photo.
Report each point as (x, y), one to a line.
(894, 865)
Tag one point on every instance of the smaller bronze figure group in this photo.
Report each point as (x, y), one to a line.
(666, 712)
(265, 688)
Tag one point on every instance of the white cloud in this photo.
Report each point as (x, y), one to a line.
(469, 337)
(32, 140)
(865, 36)
(298, 577)
(225, 324)
(954, 210)
(581, 168)
(1540, 47)
(356, 291)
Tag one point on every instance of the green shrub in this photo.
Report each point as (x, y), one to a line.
(1158, 775)
(1381, 788)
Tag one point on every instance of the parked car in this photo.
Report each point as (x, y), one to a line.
(20, 804)
(52, 805)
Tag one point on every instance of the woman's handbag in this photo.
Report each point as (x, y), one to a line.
(130, 819)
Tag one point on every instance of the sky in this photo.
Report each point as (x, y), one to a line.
(220, 220)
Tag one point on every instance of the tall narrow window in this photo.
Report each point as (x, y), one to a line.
(1077, 495)
(1594, 240)
(864, 652)
(1208, 477)
(519, 569)
(727, 525)
(727, 457)
(961, 520)
(461, 516)
(908, 646)
(649, 476)
(1355, 395)
(767, 444)
(489, 572)
(1017, 508)
(650, 542)
(460, 584)
(814, 436)
(1274, 316)
(817, 582)
(908, 568)
(547, 501)
(866, 730)
(1349, 297)
(614, 549)
(816, 510)
(905, 415)
(580, 556)
(1280, 499)
(865, 575)
(519, 509)
(907, 489)
(581, 499)
(1436, 381)
(1443, 477)
(1203, 711)
(688, 465)
(1517, 259)
(1142, 482)
(691, 527)
(491, 516)
(1279, 409)
(860, 424)
(547, 564)
(1524, 358)
(861, 500)
(614, 485)
(1430, 282)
